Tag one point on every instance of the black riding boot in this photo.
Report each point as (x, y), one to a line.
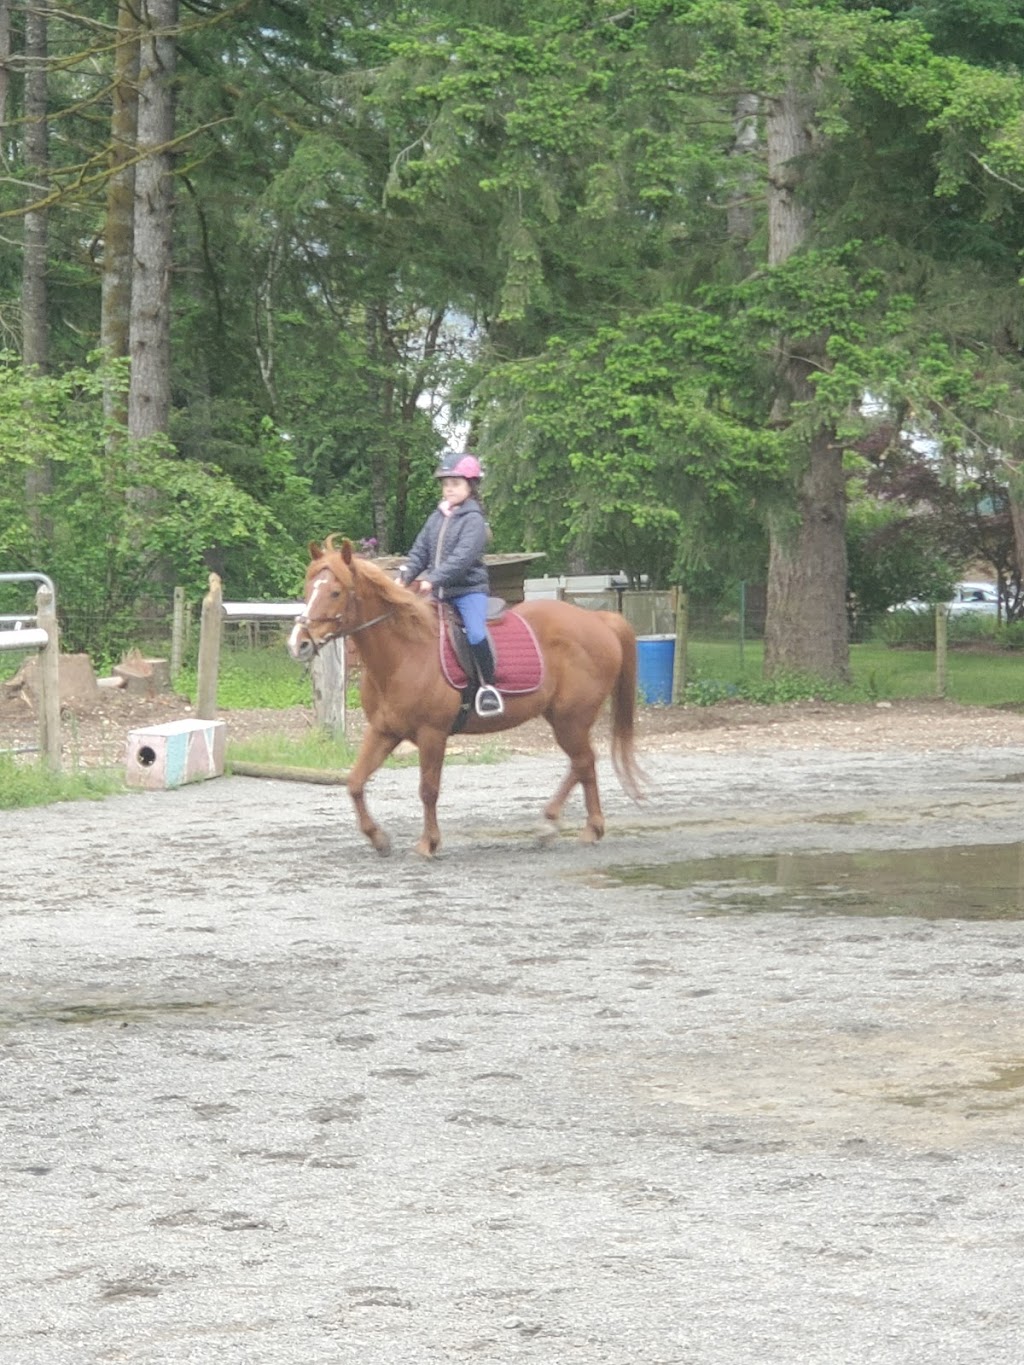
(488, 698)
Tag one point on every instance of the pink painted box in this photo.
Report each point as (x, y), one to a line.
(180, 751)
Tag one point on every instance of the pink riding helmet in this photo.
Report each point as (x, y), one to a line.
(454, 465)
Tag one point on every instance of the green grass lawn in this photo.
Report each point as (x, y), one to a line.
(716, 670)
(973, 677)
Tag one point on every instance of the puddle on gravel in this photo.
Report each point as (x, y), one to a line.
(104, 1012)
(974, 882)
(1003, 1086)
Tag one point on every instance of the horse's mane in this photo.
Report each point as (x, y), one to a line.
(411, 615)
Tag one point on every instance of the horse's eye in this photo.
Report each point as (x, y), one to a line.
(335, 592)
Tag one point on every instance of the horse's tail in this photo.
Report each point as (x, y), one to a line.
(623, 709)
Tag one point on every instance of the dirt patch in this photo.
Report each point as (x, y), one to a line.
(95, 732)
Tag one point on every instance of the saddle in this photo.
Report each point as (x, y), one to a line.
(519, 667)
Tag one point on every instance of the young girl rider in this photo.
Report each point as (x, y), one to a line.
(446, 559)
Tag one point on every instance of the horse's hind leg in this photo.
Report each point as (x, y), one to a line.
(372, 753)
(553, 810)
(431, 747)
(582, 769)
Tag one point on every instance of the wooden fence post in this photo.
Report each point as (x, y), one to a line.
(177, 632)
(941, 654)
(211, 628)
(681, 604)
(330, 686)
(49, 680)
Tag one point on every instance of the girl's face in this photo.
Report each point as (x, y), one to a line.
(455, 490)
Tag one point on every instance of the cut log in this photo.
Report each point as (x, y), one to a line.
(285, 773)
(143, 676)
(75, 678)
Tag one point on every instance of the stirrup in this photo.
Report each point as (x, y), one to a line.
(488, 702)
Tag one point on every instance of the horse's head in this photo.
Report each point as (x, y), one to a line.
(344, 595)
(331, 601)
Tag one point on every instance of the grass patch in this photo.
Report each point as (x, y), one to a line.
(321, 753)
(253, 678)
(978, 674)
(315, 750)
(32, 784)
(974, 676)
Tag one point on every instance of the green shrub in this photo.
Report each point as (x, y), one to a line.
(764, 691)
(908, 629)
(970, 629)
(916, 629)
(1010, 636)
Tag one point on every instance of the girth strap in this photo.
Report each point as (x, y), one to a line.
(468, 696)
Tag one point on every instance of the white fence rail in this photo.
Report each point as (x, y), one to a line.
(38, 632)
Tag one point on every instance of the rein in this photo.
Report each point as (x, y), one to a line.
(342, 634)
(303, 620)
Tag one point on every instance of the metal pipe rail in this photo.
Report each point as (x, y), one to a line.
(43, 637)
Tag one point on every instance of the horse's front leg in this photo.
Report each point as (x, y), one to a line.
(431, 746)
(372, 752)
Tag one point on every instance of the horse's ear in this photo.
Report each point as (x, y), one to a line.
(346, 550)
(315, 550)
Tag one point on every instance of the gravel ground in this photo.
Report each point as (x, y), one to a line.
(269, 1098)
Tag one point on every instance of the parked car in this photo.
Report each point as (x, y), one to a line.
(969, 599)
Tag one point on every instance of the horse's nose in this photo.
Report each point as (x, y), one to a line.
(300, 646)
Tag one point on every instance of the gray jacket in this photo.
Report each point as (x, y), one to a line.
(448, 552)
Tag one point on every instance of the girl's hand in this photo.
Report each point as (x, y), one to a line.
(422, 585)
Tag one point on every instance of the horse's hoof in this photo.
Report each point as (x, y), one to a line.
(548, 832)
(589, 835)
(381, 843)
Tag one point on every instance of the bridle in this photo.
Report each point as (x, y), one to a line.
(342, 632)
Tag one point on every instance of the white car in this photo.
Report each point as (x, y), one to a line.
(969, 599)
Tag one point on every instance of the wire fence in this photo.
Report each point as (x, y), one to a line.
(732, 622)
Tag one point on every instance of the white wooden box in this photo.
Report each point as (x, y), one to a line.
(180, 751)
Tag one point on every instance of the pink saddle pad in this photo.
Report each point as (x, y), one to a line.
(518, 663)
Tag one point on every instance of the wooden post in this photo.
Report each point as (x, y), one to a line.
(49, 681)
(681, 604)
(211, 627)
(177, 632)
(941, 656)
(330, 687)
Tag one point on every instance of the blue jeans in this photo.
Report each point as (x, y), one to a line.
(472, 607)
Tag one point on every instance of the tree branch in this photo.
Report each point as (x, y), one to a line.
(995, 174)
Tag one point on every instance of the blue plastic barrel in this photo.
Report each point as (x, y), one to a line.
(655, 661)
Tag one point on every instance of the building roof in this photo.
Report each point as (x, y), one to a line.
(492, 561)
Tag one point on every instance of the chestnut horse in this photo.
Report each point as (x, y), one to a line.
(587, 656)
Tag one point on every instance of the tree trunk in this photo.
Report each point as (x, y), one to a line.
(805, 623)
(805, 628)
(5, 74)
(34, 326)
(1015, 490)
(383, 395)
(118, 228)
(149, 397)
(33, 275)
(740, 213)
